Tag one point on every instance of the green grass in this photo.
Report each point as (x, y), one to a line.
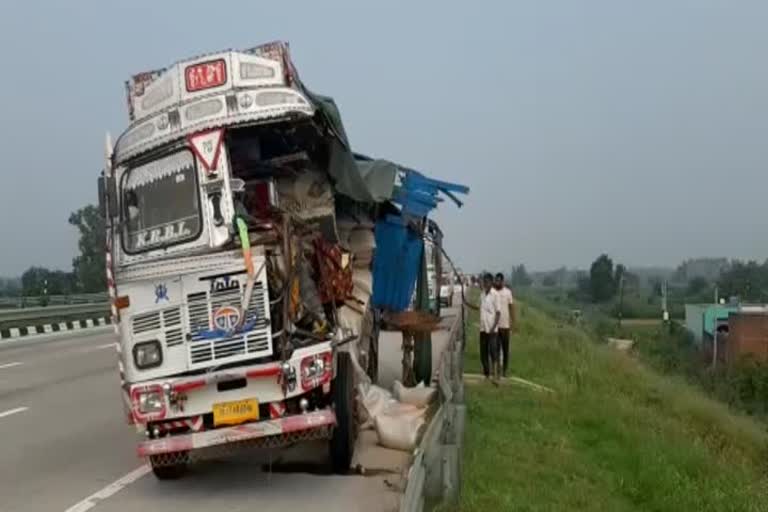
(616, 436)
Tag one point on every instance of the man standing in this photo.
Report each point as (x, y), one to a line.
(490, 313)
(506, 320)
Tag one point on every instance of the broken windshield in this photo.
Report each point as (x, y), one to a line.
(161, 205)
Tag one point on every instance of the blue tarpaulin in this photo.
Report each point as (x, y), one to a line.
(398, 254)
(400, 239)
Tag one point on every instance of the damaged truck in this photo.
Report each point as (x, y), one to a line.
(252, 258)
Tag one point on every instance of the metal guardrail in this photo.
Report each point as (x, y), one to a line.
(40, 315)
(51, 300)
(435, 475)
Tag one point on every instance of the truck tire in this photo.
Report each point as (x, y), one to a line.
(342, 444)
(169, 472)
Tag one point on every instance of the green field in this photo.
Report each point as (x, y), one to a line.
(616, 436)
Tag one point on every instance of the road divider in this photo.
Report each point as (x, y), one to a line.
(17, 323)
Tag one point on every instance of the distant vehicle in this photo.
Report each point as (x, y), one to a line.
(447, 289)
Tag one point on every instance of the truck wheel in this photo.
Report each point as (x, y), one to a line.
(169, 471)
(342, 443)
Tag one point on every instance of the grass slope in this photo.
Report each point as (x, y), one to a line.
(615, 437)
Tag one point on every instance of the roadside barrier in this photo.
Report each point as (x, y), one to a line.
(435, 475)
(17, 323)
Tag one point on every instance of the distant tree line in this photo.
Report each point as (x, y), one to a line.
(694, 280)
(519, 277)
(88, 267)
(10, 287)
(748, 281)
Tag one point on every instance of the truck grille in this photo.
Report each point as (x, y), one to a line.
(166, 322)
(255, 343)
(146, 322)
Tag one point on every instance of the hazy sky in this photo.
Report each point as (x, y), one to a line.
(636, 128)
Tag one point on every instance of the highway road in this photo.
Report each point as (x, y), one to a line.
(65, 446)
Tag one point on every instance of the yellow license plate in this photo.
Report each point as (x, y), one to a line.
(235, 413)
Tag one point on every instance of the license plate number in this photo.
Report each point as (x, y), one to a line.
(235, 413)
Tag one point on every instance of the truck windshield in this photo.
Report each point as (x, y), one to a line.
(160, 203)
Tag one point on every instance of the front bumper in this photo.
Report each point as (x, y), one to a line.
(280, 431)
(191, 396)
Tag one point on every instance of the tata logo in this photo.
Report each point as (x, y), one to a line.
(226, 318)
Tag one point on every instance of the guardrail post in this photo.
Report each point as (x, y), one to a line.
(457, 359)
(432, 456)
(453, 439)
(451, 477)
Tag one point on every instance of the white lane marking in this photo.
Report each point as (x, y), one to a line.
(10, 365)
(13, 411)
(109, 490)
(96, 348)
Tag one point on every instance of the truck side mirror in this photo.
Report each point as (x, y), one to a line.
(107, 196)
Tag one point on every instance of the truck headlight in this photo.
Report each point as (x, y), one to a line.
(316, 370)
(151, 402)
(148, 403)
(147, 355)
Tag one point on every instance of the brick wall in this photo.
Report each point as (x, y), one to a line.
(748, 337)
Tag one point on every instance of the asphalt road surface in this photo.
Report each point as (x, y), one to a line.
(65, 447)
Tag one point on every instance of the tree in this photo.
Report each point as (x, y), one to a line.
(708, 268)
(549, 280)
(89, 266)
(61, 283)
(10, 287)
(697, 286)
(520, 277)
(33, 281)
(38, 281)
(619, 274)
(602, 284)
(656, 286)
(631, 281)
(748, 281)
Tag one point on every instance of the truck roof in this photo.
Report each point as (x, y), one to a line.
(235, 87)
(209, 91)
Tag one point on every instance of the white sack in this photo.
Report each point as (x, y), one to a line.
(399, 432)
(419, 396)
(374, 401)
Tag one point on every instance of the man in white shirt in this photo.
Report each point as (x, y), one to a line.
(506, 320)
(490, 314)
